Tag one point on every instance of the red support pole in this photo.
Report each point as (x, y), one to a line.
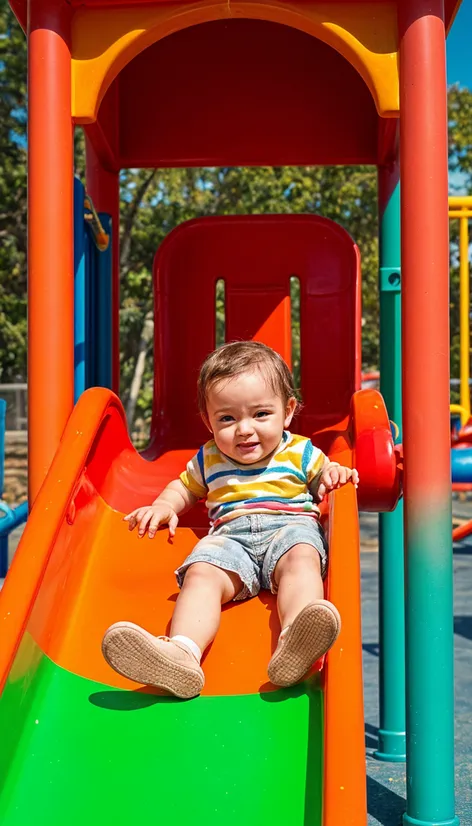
(50, 234)
(103, 187)
(426, 436)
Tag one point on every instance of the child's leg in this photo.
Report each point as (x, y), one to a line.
(174, 664)
(297, 577)
(197, 612)
(310, 624)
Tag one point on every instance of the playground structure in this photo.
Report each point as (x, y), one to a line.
(461, 207)
(319, 84)
(12, 516)
(92, 338)
(461, 465)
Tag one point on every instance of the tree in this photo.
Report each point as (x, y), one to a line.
(12, 198)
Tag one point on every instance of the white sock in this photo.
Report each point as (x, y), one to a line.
(190, 644)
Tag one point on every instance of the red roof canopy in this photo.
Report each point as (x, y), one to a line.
(19, 6)
(193, 99)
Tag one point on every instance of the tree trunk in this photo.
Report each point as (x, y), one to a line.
(129, 220)
(147, 333)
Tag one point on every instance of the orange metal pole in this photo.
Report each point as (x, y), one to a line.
(103, 186)
(50, 234)
(426, 434)
(344, 799)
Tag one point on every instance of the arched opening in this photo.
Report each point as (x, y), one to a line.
(289, 99)
(103, 45)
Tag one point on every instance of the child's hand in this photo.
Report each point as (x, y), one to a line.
(334, 476)
(150, 517)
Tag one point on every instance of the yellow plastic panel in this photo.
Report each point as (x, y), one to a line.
(104, 40)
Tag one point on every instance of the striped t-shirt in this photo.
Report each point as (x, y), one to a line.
(278, 485)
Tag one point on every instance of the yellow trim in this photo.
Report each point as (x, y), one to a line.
(396, 430)
(101, 238)
(460, 201)
(461, 209)
(464, 316)
(457, 408)
(104, 40)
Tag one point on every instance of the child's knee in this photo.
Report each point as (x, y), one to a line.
(206, 575)
(299, 559)
(200, 572)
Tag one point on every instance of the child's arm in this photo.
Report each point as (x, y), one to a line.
(333, 476)
(173, 500)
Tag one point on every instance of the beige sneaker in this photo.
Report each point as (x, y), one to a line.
(310, 635)
(157, 661)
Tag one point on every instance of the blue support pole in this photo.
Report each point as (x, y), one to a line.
(80, 324)
(3, 539)
(89, 310)
(92, 302)
(13, 518)
(103, 310)
(3, 414)
(3, 554)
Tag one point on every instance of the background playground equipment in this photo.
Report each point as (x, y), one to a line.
(342, 73)
(92, 322)
(461, 207)
(12, 516)
(101, 238)
(92, 294)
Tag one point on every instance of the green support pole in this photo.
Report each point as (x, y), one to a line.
(392, 741)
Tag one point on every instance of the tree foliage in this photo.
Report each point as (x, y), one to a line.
(12, 197)
(153, 202)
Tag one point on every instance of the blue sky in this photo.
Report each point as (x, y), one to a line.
(459, 64)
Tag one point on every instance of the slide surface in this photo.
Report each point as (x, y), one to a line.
(83, 746)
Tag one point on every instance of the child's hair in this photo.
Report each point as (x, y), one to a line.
(238, 357)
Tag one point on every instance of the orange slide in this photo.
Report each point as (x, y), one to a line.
(82, 745)
(77, 570)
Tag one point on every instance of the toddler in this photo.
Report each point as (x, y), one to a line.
(260, 483)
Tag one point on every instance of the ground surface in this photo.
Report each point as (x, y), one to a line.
(386, 781)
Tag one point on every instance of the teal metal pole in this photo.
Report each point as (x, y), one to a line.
(392, 739)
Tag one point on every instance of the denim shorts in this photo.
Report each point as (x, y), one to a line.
(251, 546)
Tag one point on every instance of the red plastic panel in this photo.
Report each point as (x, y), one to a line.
(256, 256)
(378, 460)
(243, 92)
(463, 435)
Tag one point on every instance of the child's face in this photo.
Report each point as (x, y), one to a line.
(246, 417)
